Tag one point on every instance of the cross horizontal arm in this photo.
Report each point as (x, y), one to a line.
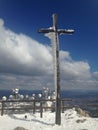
(69, 31)
(59, 31)
(45, 30)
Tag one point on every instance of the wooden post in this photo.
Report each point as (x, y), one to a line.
(62, 106)
(34, 107)
(41, 109)
(2, 109)
(57, 72)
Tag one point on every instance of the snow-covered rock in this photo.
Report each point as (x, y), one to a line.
(20, 128)
(82, 112)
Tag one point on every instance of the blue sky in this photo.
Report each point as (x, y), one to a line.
(22, 19)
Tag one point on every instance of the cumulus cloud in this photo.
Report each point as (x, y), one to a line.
(22, 55)
(76, 70)
(26, 63)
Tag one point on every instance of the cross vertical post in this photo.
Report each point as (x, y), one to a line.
(56, 32)
(57, 73)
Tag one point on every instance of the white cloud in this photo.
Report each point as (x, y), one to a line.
(76, 70)
(27, 63)
(95, 75)
(22, 54)
(64, 55)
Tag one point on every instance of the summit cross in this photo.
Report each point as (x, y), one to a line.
(57, 32)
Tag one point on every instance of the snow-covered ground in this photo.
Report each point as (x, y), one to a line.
(70, 121)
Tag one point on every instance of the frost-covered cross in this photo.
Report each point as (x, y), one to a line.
(55, 32)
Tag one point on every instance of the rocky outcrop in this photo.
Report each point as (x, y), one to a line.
(20, 128)
(82, 112)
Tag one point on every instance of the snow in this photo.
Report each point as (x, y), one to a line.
(70, 120)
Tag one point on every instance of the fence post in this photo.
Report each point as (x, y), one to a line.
(34, 107)
(41, 109)
(2, 109)
(62, 106)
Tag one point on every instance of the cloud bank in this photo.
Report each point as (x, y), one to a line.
(28, 64)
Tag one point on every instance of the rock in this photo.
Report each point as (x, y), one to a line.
(80, 121)
(82, 112)
(20, 128)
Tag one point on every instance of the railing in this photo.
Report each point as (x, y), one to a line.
(34, 105)
(41, 105)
